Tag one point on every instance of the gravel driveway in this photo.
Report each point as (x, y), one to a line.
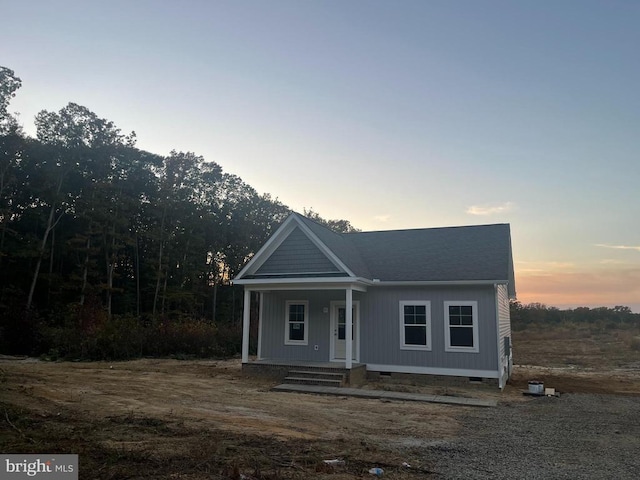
(574, 436)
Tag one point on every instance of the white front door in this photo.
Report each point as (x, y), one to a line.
(339, 331)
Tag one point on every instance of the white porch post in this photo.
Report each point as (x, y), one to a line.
(260, 326)
(348, 362)
(246, 316)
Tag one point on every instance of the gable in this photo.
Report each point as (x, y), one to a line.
(297, 255)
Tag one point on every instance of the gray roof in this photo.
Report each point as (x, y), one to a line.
(441, 254)
(341, 245)
(470, 253)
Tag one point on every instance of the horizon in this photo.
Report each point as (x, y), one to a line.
(392, 116)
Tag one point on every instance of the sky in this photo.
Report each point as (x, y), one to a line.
(390, 114)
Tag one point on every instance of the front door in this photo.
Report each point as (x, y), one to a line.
(339, 331)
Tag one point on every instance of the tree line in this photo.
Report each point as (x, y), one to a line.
(539, 314)
(110, 251)
(102, 242)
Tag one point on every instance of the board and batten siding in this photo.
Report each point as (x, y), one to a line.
(297, 254)
(379, 342)
(504, 323)
(380, 329)
(273, 330)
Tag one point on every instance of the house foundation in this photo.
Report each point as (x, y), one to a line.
(432, 380)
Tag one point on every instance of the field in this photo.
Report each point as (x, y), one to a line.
(579, 358)
(163, 418)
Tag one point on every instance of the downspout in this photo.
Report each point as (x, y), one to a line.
(348, 364)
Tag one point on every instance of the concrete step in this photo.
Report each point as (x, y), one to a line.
(314, 381)
(317, 374)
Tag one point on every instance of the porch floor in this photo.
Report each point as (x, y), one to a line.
(294, 364)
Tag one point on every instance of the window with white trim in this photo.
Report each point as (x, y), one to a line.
(296, 322)
(461, 326)
(415, 325)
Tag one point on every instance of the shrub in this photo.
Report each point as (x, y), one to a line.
(86, 332)
(228, 340)
(74, 332)
(121, 338)
(185, 337)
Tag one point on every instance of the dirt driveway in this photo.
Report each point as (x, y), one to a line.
(201, 419)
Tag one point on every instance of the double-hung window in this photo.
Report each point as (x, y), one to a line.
(415, 325)
(296, 322)
(461, 326)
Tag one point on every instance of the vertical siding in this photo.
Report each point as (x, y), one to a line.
(273, 347)
(380, 328)
(504, 321)
(297, 254)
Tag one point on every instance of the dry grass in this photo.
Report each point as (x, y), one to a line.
(581, 345)
(579, 358)
(204, 420)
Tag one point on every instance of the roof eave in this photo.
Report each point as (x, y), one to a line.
(402, 283)
(328, 283)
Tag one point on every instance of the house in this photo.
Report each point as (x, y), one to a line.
(432, 301)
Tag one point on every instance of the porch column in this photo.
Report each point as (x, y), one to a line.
(246, 316)
(348, 362)
(260, 325)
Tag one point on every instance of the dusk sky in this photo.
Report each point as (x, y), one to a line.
(390, 114)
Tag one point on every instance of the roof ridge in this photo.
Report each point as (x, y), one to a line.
(305, 218)
(427, 228)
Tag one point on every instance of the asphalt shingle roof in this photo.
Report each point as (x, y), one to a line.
(454, 253)
(480, 252)
(341, 245)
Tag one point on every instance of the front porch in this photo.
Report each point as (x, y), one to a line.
(311, 373)
(312, 324)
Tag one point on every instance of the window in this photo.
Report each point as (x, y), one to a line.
(415, 325)
(296, 322)
(461, 326)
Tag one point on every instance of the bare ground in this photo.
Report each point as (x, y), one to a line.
(202, 419)
(155, 418)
